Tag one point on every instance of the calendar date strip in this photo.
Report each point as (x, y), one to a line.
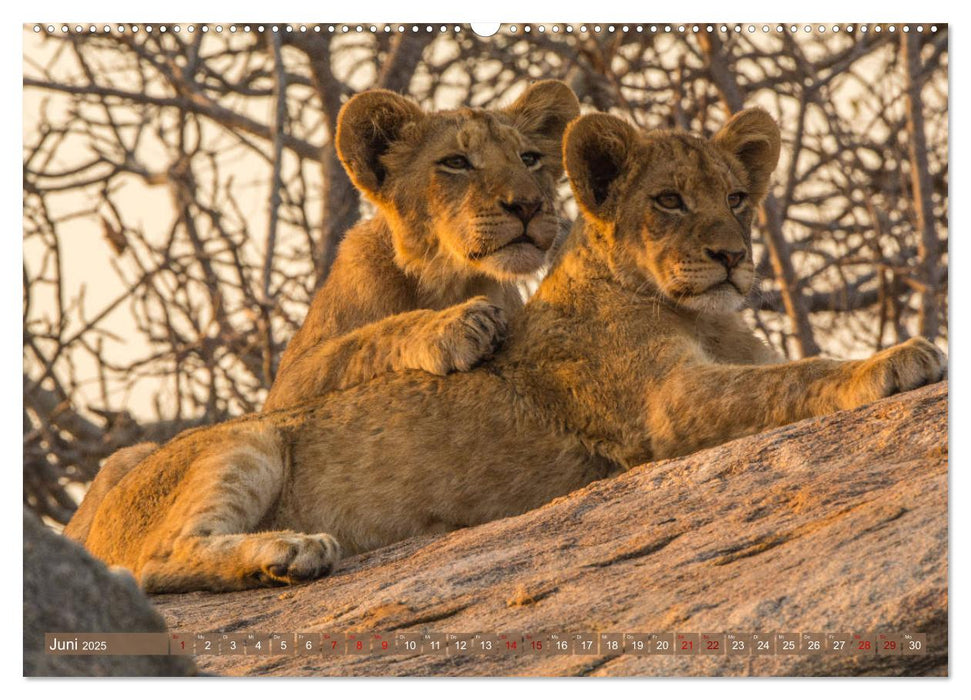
(506, 643)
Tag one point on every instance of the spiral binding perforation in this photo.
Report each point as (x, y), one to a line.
(504, 29)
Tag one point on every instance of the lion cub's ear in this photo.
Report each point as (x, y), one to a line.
(752, 136)
(598, 150)
(542, 113)
(366, 127)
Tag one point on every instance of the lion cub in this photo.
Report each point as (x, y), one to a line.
(631, 350)
(465, 210)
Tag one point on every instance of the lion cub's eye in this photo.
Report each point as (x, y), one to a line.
(669, 200)
(735, 199)
(531, 158)
(456, 162)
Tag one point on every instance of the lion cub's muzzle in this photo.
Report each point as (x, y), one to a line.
(717, 278)
(523, 222)
(721, 285)
(736, 272)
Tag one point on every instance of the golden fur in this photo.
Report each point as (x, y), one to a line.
(631, 350)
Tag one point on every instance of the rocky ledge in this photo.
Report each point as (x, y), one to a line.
(831, 525)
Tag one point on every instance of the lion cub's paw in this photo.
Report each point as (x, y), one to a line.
(469, 333)
(294, 558)
(909, 365)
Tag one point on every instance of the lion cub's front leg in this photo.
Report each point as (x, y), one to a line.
(457, 338)
(902, 367)
(703, 405)
(453, 339)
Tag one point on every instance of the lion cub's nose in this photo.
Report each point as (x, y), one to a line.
(728, 258)
(523, 209)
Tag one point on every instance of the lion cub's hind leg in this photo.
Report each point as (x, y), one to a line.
(228, 490)
(114, 469)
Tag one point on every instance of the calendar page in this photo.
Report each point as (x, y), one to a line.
(518, 349)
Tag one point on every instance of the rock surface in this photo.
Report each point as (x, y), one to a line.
(68, 590)
(836, 524)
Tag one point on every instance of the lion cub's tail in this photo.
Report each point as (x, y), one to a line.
(112, 471)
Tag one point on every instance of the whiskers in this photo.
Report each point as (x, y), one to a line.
(688, 299)
(755, 297)
(649, 291)
(488, 232)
